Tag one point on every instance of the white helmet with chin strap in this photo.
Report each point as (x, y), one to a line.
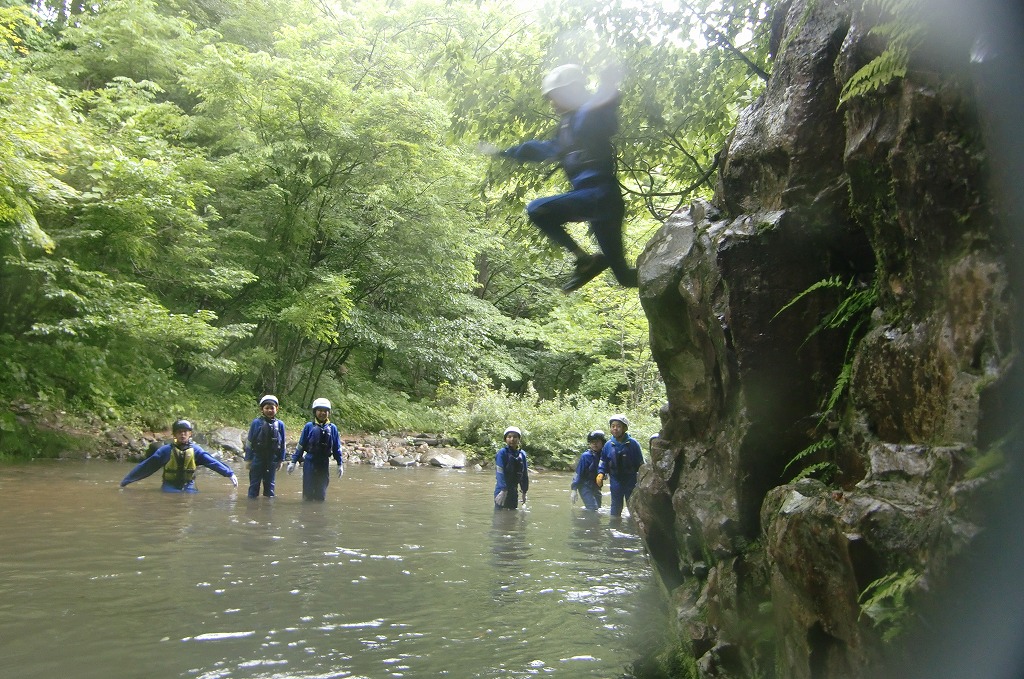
(562, 76)
(619, 417)
(320, 403)
(566, 87)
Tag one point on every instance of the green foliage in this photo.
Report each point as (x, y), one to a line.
(674, 661)
(280, 195)
(991, 461)
(852, 312)
(823, 470)
(23, 439)
(886, 601)
(903, 33)
(367, 407)
(554, 429)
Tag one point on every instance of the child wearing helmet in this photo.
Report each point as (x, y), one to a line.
(318, 443)
(621, 459)
(511, 472)
(264, 448)
(584, 483)
(582, 146)
(179, 460)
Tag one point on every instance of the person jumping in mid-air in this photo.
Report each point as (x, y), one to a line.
(584, 149)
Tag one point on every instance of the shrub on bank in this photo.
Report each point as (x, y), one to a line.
(554, 430)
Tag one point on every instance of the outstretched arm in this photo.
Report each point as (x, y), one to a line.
(204, 459)
(532, 151)
(156, 461)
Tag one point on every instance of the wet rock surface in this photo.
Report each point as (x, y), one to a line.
(885, 196)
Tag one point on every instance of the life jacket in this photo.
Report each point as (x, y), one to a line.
(576, 155)
(621, 464)
(268, 438)
(318, 441)
(181, 469)
(514, 465)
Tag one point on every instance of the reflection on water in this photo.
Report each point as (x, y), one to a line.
(400, 573)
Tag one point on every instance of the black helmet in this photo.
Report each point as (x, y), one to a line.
(596, 435)
(181, 425)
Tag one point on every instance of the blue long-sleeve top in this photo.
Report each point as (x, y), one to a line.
(265, 440)
(586, 469)
(621, 458)
(162, 455)
(506, 463)
(582, 144)
(318, 443)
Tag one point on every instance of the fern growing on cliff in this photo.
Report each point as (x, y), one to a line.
(852, 311)
(903, 35)
(825, 470)
(885, 602)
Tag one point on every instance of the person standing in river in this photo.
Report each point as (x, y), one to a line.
(179, 460)
(318, 443)
(264, 448)
(583, 147)
(510, 470)
(621, 459)
(584, 483)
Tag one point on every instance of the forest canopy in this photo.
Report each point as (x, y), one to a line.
(206, 200)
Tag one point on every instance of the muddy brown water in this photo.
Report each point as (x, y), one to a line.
(400, 573)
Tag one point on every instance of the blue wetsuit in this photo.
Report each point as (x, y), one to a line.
(585, 480)
(264, 447)
(318, 443)
(621, 459)
(584, 149)
(511, 475)
(175, 483)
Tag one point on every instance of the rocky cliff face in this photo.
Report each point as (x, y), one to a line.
(898, 407)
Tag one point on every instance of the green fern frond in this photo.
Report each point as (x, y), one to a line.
(825, 471)
(838, 388)
(885, 602)
(877, 73)
(827, 283)
(904, 33)
(824, 444)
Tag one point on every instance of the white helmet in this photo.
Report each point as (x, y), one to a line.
(321, 403)
(619, 417)
(562, 76)
(269, 398)
(512, 430)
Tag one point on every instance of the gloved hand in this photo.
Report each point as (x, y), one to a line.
(499, 499)
(291, 467)
(487, 149)
(341, 471)
(612, 74)
(574, 496)
(234, 481)
(600, 480)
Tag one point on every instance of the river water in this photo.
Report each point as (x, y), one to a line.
(400, 573)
